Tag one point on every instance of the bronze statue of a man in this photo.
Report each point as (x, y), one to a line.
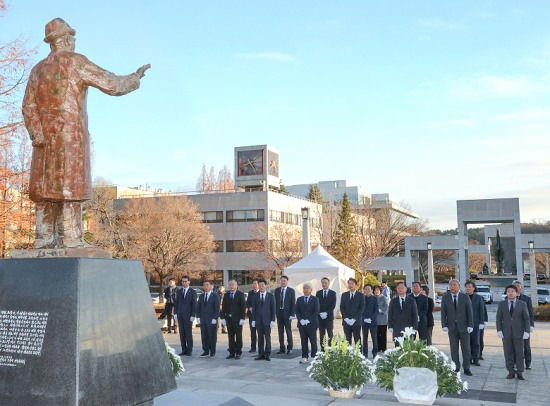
(54, 108)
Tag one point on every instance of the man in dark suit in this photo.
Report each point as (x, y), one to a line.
(263, 312)
(482, 332)
(307, 312)
(285, 303)
(208, 313)
(249, 299)
(429, 315)
(457, 320)
(351, 307)
(402, 313)
(370, 323)
(170, 299)
(233, 316)
(422, 308)
(513, 326)
(185, 309)
(478, 310)
(327, 304)
(526, 343)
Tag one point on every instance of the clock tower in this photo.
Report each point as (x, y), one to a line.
(256, 168)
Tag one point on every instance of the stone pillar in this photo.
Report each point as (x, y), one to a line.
(519, 253)
(547, 267)
(431, 282)
(306, 238)
(380, 276)
(533, 277)
(463, 271)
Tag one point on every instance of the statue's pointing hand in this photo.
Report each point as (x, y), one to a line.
(141, 71)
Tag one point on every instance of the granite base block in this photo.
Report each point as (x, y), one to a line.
(79, 331)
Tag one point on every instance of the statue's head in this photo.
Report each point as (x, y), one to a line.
(60, 35)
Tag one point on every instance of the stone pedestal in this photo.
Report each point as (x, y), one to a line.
(79, 331)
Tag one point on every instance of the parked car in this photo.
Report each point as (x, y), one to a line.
(155, 297)
(485, 292)
(544, 295)
(473, 275)
(437, 302)
(541, 278)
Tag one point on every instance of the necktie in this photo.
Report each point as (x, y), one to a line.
(454, 301)
(184, 292)
(352, 295)
(282, 298)
(511, 308)
(402, 302)
(262, 297)
(206, 298)
(307, 298)
(324, 294)
(232, 295)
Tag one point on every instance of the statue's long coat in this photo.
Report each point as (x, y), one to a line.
(55, 115)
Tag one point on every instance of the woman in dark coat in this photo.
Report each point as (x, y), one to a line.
(430, 315)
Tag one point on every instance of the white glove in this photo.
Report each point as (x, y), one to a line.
(254, 324)
(198, 320)
(486, 323)
(241, 322)
(445, 330)
(481, 326)
(390, 330)
(500, 335)
(175, 317)
(346, 320)
(291, 318)
(352, 322)
(469, 329)
(272, 324)
(379, 310)
(192, 319)
(525, 336)
(303, 322)
(214, 321)
(323, 315)
(307, 322)
(224, 323)
(368, 321)
(532, 329)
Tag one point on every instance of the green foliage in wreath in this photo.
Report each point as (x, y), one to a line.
(340, 366)
(415, 353)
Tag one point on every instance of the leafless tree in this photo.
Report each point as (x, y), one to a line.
(209, 182)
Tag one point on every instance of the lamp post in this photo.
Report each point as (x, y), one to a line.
(306, 243)
(533, 274)
(431, 284)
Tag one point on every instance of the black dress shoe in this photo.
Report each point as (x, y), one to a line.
(237, 356)
(281, 352)
(528, 366)
(259, 358)
(267, 358)
(288, 352)
(520, 376)
(481, 358)
(252, 350)
(230, 356)
(467, 372)
(188, 354)
(212, 354)
(204, 354)
(477, 364)
(183, 353)
(457, 370)
(511, 375)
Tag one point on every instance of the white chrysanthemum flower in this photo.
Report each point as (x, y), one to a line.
(400, 340)
(409, 331)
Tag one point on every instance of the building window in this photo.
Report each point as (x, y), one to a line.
(242, 245)
(236, 216)
(242, 277)
(212, 216)
(288, 218)
(218, 246)
(277, 216)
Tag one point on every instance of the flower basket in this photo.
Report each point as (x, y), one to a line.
(175, 360)
(341, 369)
(416, 355)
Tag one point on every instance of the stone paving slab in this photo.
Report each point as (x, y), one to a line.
(285, 382)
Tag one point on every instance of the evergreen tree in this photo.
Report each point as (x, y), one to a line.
(346, 247)
(314, 194)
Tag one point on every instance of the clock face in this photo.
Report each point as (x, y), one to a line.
(273, 164)
(251, 162)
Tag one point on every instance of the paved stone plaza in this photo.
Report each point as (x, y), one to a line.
(285, 382)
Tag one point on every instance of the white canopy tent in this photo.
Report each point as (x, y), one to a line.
(315, 266)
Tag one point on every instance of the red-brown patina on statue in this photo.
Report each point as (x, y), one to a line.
(55, 115)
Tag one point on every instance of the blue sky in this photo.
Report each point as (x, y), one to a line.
(429, 101)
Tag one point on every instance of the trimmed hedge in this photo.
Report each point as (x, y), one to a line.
(542, 313)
